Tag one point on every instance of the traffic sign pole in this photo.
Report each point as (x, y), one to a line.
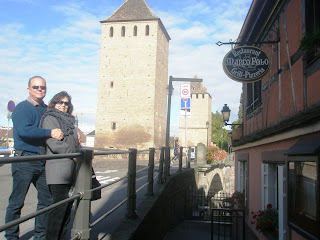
(11, 106)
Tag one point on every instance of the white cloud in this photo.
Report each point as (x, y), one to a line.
(67, 55)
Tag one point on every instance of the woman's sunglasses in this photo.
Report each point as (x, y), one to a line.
(62, 102)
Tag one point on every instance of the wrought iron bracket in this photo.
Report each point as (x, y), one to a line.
(247, 43)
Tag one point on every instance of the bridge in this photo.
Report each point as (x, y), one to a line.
(166, 203)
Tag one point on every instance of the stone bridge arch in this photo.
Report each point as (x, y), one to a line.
(216, 179)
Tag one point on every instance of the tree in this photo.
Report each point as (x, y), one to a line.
(219, 135)
(240, 114)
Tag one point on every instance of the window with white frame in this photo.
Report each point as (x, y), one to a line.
(273, 190)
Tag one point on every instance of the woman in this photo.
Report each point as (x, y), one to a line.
(60, 173)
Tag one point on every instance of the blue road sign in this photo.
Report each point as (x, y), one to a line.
(185, 103)
(11, 106)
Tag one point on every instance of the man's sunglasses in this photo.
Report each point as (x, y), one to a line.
(62, 102)
(37, 87)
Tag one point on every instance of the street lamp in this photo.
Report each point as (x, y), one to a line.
(226, 115)
(207, 126)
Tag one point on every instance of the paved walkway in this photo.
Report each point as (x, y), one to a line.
(199, 230)
(189, 230)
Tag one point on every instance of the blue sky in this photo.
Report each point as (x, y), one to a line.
(60, 40)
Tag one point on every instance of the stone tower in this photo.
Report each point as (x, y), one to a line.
(133, 76)
(200, 113)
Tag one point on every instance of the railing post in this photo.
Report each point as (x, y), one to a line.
(150, 172)
(81, 220)
(180, 159)
(160, 176)
(131, 192)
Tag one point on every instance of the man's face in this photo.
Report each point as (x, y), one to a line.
(37, 89)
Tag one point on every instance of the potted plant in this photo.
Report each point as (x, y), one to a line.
(310, 40)
(266, 222)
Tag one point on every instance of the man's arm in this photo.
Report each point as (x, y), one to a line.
(23, 121)
(57, 134)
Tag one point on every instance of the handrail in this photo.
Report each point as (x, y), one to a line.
(81, 227)
(39, 212)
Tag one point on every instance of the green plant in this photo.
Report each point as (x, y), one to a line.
(239, 199)
(236, 201)
(310, 40)
(266, 221)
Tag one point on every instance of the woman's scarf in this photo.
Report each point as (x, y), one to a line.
(65, 120)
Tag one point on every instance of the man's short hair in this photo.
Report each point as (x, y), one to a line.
(35, 77)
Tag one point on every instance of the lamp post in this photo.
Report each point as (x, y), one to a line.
(207, 126)
(170, 90)
(226, 115)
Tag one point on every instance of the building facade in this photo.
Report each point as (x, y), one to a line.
(196, 121)
(277, 150)
(133, 76)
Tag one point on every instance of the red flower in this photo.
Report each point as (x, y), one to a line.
(269, 206)
(254, 216)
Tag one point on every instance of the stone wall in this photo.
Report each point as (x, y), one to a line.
(133, 75)
(158, 213)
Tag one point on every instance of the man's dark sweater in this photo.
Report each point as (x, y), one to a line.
(26, 133)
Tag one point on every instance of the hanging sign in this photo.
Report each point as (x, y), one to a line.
(246, 64)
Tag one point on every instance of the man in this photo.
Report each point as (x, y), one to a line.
(27, 138)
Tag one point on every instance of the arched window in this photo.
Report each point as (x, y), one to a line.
(147, 30)
(123, 31)
(111, 32)
(135, 31)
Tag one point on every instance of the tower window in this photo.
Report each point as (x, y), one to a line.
(123, 31)
(111, 32)
(147, 30)
(111, 84)
(135, 31)
(113, 125)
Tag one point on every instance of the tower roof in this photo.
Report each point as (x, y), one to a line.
(132, 10)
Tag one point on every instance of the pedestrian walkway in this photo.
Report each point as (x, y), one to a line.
(189, 230)
(199, 230)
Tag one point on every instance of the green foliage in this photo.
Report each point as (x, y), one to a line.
(240, 114)
(219, 135)
(3, 142)
(236, 201)
(266, 221)
(310, 40)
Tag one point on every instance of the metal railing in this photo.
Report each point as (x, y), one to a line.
(227, 223)
(81, 228)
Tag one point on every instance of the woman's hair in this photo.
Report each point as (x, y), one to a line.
(56, 98)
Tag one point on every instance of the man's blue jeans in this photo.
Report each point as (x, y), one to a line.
(23, 174)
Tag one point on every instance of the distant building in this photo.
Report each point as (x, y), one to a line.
(83, 138)
(90, 139)
(132, 96)
(200, 114)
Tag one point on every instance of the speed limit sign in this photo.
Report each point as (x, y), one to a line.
(185, 91)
